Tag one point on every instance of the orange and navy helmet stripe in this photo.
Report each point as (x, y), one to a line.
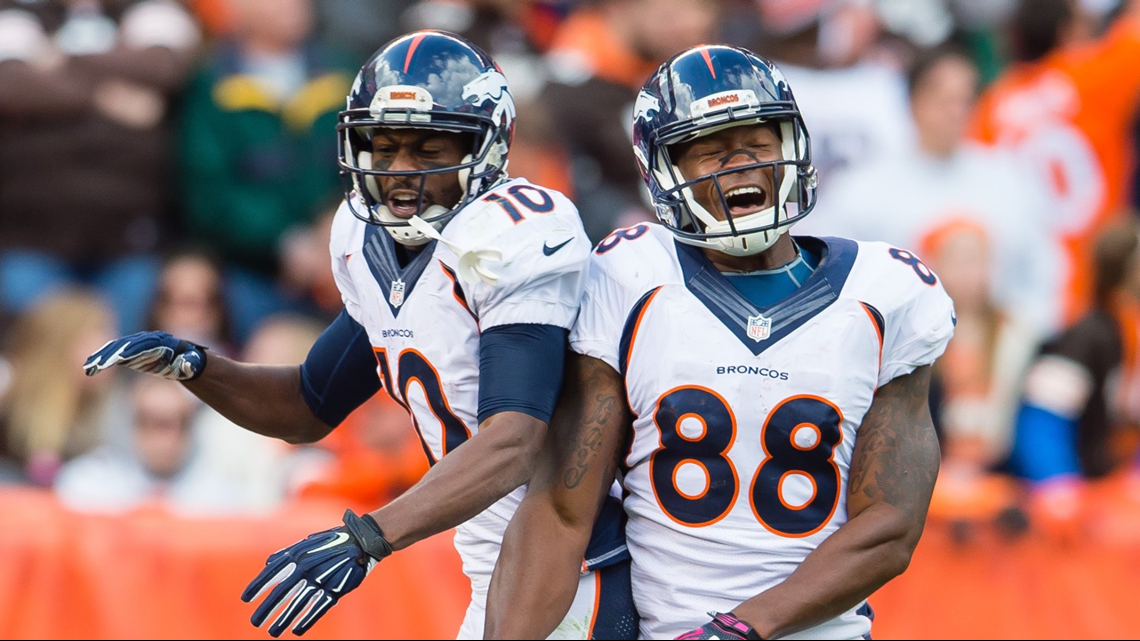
(708, 61)
(412, 51)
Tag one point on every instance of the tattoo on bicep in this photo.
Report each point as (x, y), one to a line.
(583, 457)
(599, 410)
(896, 450)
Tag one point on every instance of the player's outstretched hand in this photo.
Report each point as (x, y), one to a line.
(722, 626)
(309, 577)
(156, 353)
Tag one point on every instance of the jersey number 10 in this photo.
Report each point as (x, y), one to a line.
(799, 439)
(414, 367)
(540, 203)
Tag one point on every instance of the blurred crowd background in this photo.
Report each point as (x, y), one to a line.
(171, 165)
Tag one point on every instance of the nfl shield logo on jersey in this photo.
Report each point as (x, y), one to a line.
(396, 297)
(759, 327)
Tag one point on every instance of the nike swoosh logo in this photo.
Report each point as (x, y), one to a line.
(340, 538)
(549, 251)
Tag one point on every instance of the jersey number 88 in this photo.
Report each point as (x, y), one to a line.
(798, 438)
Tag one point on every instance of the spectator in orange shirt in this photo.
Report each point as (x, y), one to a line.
(982, 370)
(1067, 109)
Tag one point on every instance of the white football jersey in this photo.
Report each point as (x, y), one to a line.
(746, 418)
(424, 320)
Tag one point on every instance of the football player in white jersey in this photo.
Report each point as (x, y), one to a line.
(460, 285)
(764, 396)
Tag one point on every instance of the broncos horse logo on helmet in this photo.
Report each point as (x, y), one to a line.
(699, 92)
(425, 80)
(491, 87)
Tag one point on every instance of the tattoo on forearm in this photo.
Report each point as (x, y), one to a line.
(896, 453)
(588, 433)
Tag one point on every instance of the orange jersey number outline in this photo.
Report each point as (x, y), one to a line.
(799, 438)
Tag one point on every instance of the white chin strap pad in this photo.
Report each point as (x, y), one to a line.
(474, 264)
(404, 232)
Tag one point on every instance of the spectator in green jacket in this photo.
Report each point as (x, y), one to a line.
(258, 147)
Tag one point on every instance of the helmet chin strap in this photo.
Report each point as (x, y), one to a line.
(405, 233)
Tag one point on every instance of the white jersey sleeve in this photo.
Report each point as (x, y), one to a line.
(917, 332)
(544, 256)
(600, 321)
(346, 238)
(615, 282)
(917, 314)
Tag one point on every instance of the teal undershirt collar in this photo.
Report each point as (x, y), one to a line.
(768, 286)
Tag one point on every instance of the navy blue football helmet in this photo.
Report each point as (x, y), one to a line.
(704, 90)
(425, 80)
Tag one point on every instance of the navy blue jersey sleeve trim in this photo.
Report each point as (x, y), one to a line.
(339, 374)
(607, 540)
(520, 369)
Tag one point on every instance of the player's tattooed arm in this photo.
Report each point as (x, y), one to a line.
(583, 439)
(891, 480)
(896, 450)
(539, 566)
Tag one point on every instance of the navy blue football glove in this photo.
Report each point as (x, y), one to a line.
(155, 353)
(309, 577)
(722, 626)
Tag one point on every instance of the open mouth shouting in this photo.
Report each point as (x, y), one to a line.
(404, 203)
(746, 199)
